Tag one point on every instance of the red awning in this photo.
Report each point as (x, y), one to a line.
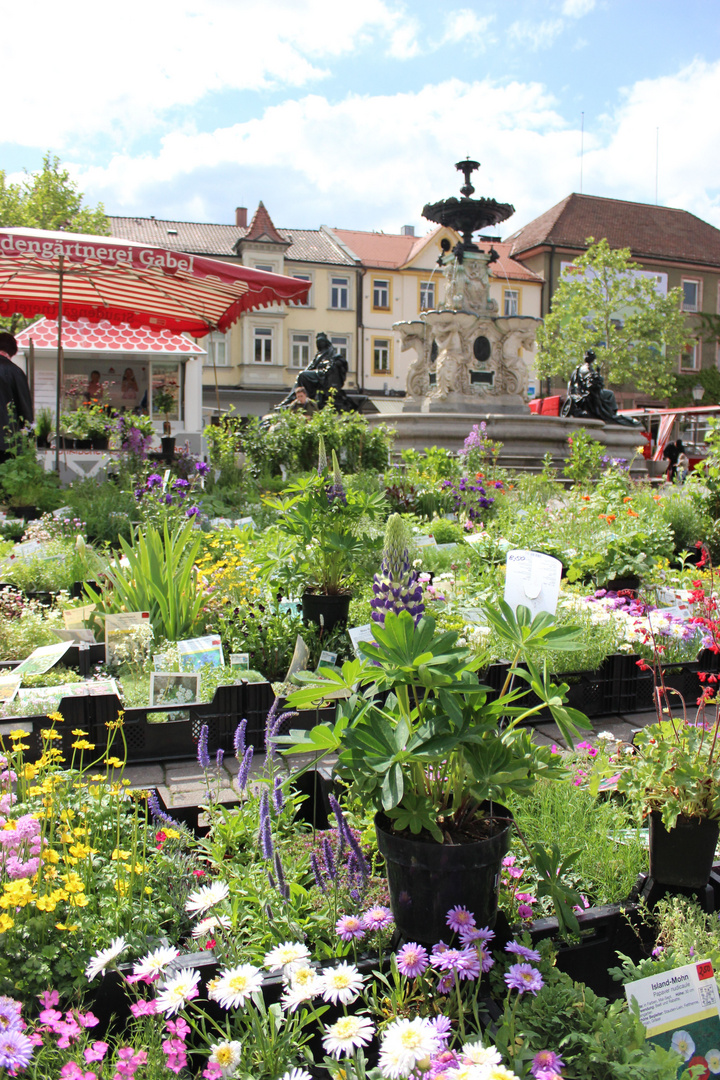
(104, 278)
(84, 336)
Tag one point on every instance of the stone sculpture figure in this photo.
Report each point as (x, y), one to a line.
(587, 395)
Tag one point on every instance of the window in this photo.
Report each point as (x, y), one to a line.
(342, 346)
(308, 302)
(691, 295)
(263, 340)
(427, 295)
(690, 358)
(299, 350)
(165, 392)
(267, 267)
(217, 347)
(381, 294)
(511, 302)
(381, 356)
(340, 292)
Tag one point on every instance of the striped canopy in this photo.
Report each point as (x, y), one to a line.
(104, 278)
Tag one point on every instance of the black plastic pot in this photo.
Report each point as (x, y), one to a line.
(427, 879)
(682, 856)
(325, 609)
(168, 447)
(99, 442)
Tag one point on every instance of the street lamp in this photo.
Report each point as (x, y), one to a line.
(698, 392)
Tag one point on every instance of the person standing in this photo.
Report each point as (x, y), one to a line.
(16, 405)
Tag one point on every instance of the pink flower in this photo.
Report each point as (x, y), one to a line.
(96, 1052)
(179, 1028)
(143, 1008)
(87, 1020)
(48, 998)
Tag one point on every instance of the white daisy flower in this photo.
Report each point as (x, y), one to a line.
(287, 956)
(104, 958)
(213, 922)
(341, 984)
(481, 1055)
(227, 1055)
(296, 1074)
(468, 1071)
(235, 986)
(155, 962)
(304, 984)
(347, 1034)
(177, 991)
(405, 1044)
(206, 897)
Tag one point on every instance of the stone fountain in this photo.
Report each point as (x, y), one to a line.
(467, 354)
(469, 365)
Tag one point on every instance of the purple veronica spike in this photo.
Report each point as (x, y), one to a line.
(244, 770)
(360, 861)
(341, 823)
(202, 751)
(329, 859)
(219, 759)
(158, 813)
(277, 795)
(282, 887)
(239, 739)
(265, 837)
(317, 873)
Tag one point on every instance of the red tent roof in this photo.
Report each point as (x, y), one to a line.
(84, 336)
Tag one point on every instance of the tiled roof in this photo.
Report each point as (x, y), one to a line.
(507, 268)
(198, 238)
(262, 227)
(387, 250)
(651, 232)
(84, 336)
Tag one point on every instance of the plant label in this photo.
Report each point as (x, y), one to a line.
(42, 659)
(532, 580)
(680, 1009)
(240, 660)
(358, 634)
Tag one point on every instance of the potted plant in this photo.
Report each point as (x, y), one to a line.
(165, 400)
(88, 426)
(328, 528)
(419, 740)
(44, 424)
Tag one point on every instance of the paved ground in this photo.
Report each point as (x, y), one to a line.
(183, 784)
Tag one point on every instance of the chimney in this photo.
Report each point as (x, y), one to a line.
(407, 230)
(241, 217)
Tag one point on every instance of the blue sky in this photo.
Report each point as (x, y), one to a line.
(353, 114)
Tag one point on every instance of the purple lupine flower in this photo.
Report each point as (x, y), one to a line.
(239, 739)
(329, 859)
(277, 795)
(412, 960)
(523, 952)
(203, 757)
(523, 977)
(397, 587)
(336, 490)
(265, 835)
(244, 770)
(322, 456)
(282, 887)
(317, 873)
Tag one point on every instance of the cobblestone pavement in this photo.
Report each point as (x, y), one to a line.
(182, 783)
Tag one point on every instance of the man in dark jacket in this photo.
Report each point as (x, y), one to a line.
(15, 402)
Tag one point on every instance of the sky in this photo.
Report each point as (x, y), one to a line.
(353, 114)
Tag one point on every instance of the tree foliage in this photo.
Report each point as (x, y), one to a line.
(49, 199)
(600, 304)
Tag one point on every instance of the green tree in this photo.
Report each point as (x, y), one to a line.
(49, 199)
(600, 304)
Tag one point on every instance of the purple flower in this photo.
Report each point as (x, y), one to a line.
(180, 483)
(192, 511)
(202, 468)
(459, 919)
(239, 739)
(154, 480)
(377, 918)
(265, 837)
(473, 933)
(282, 887)
(203, 756)
(523, 951)
(463, 961)
(317, 873)
(10, 1018)
(523, 977)
(244, 770)
(15, 1051)
(548, 1061)
(443, 1027)
(277, 795)
(485, 957)
(329, 859)
(412, 960)
(350, 927)
(219, 758)
(158, 813)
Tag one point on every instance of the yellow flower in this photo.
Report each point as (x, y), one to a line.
(6, 923)
(17, 733)
(48, 733)
(115, 763)
(45, 903)
(70, 929)
(21, 745)
(81, 851)
(121, 887)
(79, 731)
(78, 900)
(148, 890)
(118, 853)
(172, 834)
(10, 826)
(83, 744)
(56, 717)
(67, 815)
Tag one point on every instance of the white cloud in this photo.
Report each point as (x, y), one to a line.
(535, 35)
(120, 73)
(463, 26)
(575, 9)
